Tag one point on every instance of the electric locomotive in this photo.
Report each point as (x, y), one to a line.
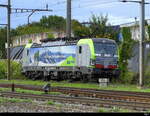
(84, 59)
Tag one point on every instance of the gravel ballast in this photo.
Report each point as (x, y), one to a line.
(42, 106)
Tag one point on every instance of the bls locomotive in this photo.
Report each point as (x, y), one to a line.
(84, 59)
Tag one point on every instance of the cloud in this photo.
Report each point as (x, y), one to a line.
(118, 13)
(116, 20)
(112, 19)
(105, 5)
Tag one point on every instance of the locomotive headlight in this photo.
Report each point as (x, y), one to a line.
(116, 56)
(98, 54)
(92, 62)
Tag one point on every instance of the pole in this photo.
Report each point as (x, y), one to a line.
(141, 41)
(141, 45)
(68, 21)
(8, 40)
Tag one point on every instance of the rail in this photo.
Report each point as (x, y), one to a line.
(81, 100)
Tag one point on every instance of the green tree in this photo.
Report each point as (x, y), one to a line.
(98, 28)
(30, 41)
(46, 24)
(125, 53)
(3, 39)
(56, 23)
(149, 32)
(98, 25)
(79, 30)
(25, 29)
(101, 28)
(51, 35)
(50, 24)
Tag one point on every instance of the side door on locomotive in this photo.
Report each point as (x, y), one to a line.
(83, 55)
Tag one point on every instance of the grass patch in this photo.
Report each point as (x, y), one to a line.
(116, 86)
(30, 91)
(50, 103)
(102, 110)
(22, 91)
(4, 89)
(55, 93)
(14, 100)
(26, 82)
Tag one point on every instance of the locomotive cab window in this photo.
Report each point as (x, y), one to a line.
(80, 49)
(106, 48)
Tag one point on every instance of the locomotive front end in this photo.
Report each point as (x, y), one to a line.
(106, 58)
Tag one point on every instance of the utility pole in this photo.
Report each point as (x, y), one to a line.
(68, 21)
(141, 41)
(8, 39)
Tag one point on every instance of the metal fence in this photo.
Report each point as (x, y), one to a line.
(133, 63)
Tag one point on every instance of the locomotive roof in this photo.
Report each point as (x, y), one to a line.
(59, 42)
(73, 40)
(102, 40)
(59, 39)
(62, 42)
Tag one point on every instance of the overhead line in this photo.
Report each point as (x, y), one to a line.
(97, 4)
(85, 6)
(58, 3)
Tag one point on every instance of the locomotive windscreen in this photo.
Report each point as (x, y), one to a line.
(105, 49)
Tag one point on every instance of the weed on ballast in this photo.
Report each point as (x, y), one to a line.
(50, 103)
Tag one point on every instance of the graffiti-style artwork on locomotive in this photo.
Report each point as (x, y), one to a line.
(53, 56)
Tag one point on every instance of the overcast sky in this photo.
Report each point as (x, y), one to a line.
(118, 13)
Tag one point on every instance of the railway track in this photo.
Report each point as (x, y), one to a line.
(81, 100)
(94, 93)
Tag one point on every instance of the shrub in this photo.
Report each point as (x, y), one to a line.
(51, 35)
(147, 76)
(30, 41)
(149, 32)
(127, 78)
(3, 69)
(147, 72)
(15, 69)
(115, 109)
(102, 110)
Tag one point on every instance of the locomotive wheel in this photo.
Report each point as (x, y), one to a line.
(85, 78)
(33, 79)
(70, 80)
(44, 78)
(59, 80)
